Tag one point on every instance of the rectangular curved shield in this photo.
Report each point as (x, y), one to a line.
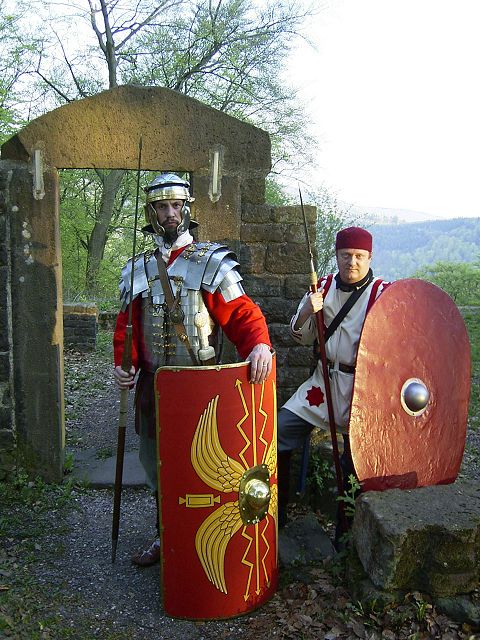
(216, 444)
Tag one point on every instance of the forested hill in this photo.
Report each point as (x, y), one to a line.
(401, 249)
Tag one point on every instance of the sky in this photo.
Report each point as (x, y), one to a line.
(393, 92)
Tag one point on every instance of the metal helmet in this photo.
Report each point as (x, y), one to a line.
(168, 186)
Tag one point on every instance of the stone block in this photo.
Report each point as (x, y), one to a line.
(4, 366)
(278, 309)
(293, 376)
(296, 286)
(263, 286)
(300, 356)
(5, 394)
(285, 258)
(5, 418)
(425, 539)
(262, 233)
(256, 213)
(88, 308)
(252, 258)
(293, 215)
(280, 335)
(7, 441)
(253, 188)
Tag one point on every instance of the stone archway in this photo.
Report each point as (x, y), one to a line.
(103, 131)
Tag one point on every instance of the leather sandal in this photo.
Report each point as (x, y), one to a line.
(148, 556)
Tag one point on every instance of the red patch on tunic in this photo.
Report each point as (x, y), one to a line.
(315, 397)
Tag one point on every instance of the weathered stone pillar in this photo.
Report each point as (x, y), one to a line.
(7, 405)
(34, 335)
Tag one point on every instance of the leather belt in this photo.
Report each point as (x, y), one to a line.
(344, 368)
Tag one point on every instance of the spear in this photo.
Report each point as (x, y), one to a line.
(126, 366)
(326, 377)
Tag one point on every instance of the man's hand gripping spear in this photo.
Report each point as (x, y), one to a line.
(126, 366)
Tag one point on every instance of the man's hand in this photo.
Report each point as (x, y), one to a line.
(260, 359)
(312, 304)
(123, 379)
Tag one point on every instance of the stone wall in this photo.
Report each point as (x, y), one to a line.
(275, 262)
(80, 326)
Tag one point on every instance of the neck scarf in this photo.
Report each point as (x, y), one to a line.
(345, 286)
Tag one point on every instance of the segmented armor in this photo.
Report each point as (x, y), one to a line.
(208, 266)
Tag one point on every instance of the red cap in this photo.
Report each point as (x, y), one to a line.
(354, 238)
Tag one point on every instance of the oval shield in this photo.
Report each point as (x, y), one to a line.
(216, 440)
(411, 391)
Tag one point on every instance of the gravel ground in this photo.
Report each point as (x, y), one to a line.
(121, 600)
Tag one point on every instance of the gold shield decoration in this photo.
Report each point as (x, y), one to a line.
(216, 440)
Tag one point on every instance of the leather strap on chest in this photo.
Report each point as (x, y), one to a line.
(174, 309)
(352, 299)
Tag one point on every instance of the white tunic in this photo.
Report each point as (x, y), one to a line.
(309, 400)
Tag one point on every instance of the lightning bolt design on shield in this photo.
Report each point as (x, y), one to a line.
(222, 472)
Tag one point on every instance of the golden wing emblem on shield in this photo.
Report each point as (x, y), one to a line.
(221, 472)
(209, 459)
(212, 540)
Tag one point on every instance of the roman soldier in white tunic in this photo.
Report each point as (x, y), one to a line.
(307, 408)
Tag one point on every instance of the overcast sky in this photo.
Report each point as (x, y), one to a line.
(393, 90)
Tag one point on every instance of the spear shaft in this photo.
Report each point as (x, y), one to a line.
(326, 376)
(126, 366)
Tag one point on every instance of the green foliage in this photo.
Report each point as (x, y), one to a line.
(276, 195)
(81, 193)
(460, 280)
(350, 496)
(25, 502)
(319, 471)
(17, 50)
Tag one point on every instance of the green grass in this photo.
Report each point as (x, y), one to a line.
(28, 610)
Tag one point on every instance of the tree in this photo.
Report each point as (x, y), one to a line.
(459, 279)
(17, 50)
(227, 53)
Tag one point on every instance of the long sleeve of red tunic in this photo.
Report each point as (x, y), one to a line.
(241, 319)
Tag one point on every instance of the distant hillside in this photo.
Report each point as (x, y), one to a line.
(383, 215)
(401, 249)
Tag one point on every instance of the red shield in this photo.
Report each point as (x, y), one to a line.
(411, 391)
(216, 439)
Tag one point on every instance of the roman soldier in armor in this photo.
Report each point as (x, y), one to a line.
(205, 286)
(307, 408)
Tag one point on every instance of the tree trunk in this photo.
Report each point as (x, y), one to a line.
(98, 237)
